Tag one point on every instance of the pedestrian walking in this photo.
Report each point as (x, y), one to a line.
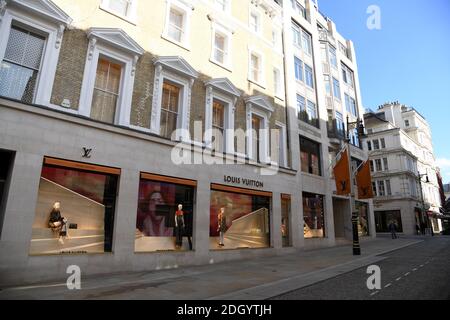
(393, 229)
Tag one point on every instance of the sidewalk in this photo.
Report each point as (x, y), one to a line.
(260, 278)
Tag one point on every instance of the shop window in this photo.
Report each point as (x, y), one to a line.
(165, 214)
(310, 157)
(239, 219)
(75, 209)
(363, 219)
(286, 220)
(6, 164)
(384, 218)
(313, 214)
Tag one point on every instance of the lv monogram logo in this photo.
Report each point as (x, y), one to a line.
(87, 153)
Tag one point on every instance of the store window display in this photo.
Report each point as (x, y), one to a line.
(313, 214)
(75, 209)
(239, 221)
(164, 216)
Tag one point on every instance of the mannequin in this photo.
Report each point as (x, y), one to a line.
(58, 223)
(222, 226)
(179, 226)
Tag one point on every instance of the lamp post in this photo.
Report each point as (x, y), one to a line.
(419, 179)
(355, 214)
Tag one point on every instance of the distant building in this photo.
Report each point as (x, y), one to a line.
(400, 147)
(447, 190)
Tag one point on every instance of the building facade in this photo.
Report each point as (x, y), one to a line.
(122, 131)
(400, 145)
(322, 82)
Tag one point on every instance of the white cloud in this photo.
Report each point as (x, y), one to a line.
(443, 163)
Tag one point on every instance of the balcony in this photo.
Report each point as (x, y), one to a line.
(334, 132)
(303, 116)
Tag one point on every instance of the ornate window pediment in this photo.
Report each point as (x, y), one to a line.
(117, 38)
(43, 8)
(177, 64)
(260, 102)
(224, 85)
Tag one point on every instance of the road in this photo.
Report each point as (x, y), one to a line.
(420, 272)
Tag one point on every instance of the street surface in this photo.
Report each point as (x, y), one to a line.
(420, 272)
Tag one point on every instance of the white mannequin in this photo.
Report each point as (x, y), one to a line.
(58, 223)
(180, 208)
(179, 217)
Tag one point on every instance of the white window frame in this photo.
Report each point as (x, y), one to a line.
(167, 68)
(261, 81)
(227, 6)
(278, 83)
(53, 30)
(100, 46)
(258, 21)
(131, 15)
(225, 92)
(261, 108)
(186, 9)
(283, 147)
(227, 34)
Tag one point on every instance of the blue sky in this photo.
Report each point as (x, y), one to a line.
(407, 60)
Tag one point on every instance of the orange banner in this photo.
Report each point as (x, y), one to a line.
(364, 182)
(342, 175)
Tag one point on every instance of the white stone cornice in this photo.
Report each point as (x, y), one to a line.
(261, 103)
(116, 38)
(177, 64)
(224, 85)
(43, 8)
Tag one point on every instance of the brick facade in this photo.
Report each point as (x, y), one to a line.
(70, 70)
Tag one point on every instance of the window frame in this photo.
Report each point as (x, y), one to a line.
(100, 45)
(223, 91)
(319, 154)
(300, 71)
(337, 94)
(166, 70)
(186, 9)
(261, 81)
(253, 12)
(131, 15)
(311, 85)
(260, 107)
(53, 31)
(227, 34)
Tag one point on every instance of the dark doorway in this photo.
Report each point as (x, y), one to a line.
(6, 163)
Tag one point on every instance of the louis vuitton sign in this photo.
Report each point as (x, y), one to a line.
(244, 182)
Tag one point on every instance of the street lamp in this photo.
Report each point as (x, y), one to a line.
(419, 179)
(355, 214)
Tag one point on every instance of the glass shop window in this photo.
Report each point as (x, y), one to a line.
(239, 221)
(313, 215)
(75, 209)
(165, 215)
